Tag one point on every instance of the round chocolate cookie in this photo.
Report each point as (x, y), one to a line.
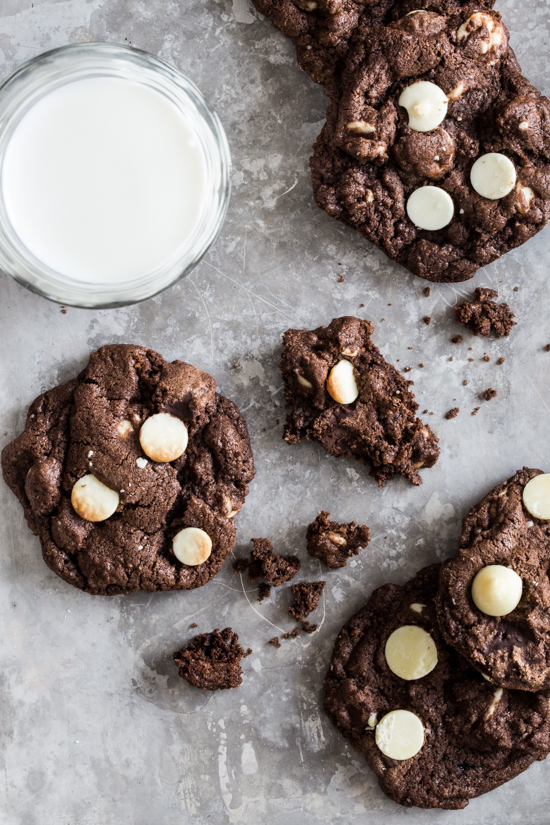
(131, 474)
(432, 729)
(437, 150)
(494, 595)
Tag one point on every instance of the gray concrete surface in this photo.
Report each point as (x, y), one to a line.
(96, 727)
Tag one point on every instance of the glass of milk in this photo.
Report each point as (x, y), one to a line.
(114, 175)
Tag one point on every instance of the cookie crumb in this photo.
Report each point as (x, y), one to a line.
(451, 358)
(489, 393)
(501, 360)
(340, 279)
(465, 382)
(476, 410)
(335, 543)
(547, 347)
(426, 319)
(63, 310)
(361, 305)
(211, 661)
(427, 292)
(458, 339)
(240, 565)
(306, 599)
(485, 358)
(470, 359)
(193, 625)
(264, 591)
(275, 642)
(484, 316)
(407, 369)
(516, 288)
(421, 366)
(452, 413)
(265, 563)
(292, 633)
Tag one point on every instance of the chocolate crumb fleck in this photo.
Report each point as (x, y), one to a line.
(193, 625)
(264, 591)
(340, 279)
(421, 366)
(451, 358)
(465, 382)
(426, 319)
(484, 316)
(547, 347)
(485, 358)
(427, 292)
(275, 642)
(458, 339)
(489, 393)
(476, 410)
(452, 413)
(292, 633)
(501, 360)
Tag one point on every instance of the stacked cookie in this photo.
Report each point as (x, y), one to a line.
(444, 683)
(435, 146)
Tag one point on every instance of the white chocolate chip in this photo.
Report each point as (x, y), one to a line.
(536, 496)
(369, 196)
(400, 734)
(360, 127)
(92, 500)
(458, 91)
(90, 453)
(477, 21)
(496, 590)
(430, 207)
(336, 538)
(303, 381)
(410, 652)
(372, 720)
(417, 607)
(125, 427)
(230, 511)
(426, 105)
(142, 463)
(531, 524)
(523, 125)
(493, 176)
(192, 546)
(341, 384)
(525, 196)
(497, 696)
(163, 437)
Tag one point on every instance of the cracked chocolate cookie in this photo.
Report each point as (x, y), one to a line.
(335, 543)
(343, 394)
(435, 732)
(437, 150)
(132, 473)
(212, 661)
(494, 595)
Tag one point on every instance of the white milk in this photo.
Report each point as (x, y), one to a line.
(104, 180)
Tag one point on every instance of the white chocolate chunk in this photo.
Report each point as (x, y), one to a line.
(341, 384)
(493, 176)
(303, 381)
(360, 127)
(497, 696)
(410, 652)
(372, 720)
(486, 677)
(369, 196)
(336, 538)
(536, 496)
(400, 734)
(524, 197)
(192, 546)
(523, 125)
(125, 427)
(496, 590)
(458, 91)
(477, 21)
(430, 207)
(306, 5)
(417, 607)
(426, 105)
(163, 437)
(142, 463)
(92, 500)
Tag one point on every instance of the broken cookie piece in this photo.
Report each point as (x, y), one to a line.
(484, 316)
(265, 563)
(335, 543)
(211, 661)
(345, 395)
(306, 599)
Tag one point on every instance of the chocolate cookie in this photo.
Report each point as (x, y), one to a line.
(438, 150)
(306, 598)
(432, 729)
(494, 596)
(211, 661)
(343, 394)
(335, 543)
(131, 474)
(484, 316)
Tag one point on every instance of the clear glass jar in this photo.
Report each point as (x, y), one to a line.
(49, 71)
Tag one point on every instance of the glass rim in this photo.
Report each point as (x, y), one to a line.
(49, 70)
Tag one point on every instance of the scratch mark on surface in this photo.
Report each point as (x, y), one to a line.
(539, 395)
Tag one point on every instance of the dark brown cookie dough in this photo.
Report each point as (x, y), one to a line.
(335, 543)
(484, 316)
(513, 651)
(91, 425)
(379, 427)
(306, 598)
(368, 161)
(476, 737)
(212, 661)
(265, 563)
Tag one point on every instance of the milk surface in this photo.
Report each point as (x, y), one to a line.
(104, 180)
